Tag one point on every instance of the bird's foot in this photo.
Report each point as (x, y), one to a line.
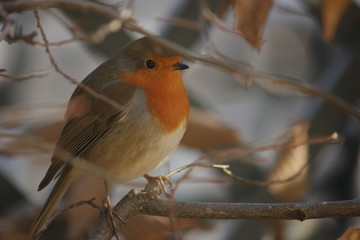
(156, 185)
(111, 212)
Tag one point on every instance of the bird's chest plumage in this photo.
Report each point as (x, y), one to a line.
(138, 143)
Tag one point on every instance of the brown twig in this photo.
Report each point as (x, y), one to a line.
(50, 44)
(241, 152)
(226, 169)
(244, 151)
(89, 202)
(8, 23)
(211, 17)
(25, 76)
(67, 76)
(136, 202)
(86, 6)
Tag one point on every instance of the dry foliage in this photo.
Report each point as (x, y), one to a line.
(331, 14)
(289, 162)
(351, 234)
(250, 18)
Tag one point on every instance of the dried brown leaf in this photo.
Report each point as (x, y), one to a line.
(289, 162)
(206, 132)
(351, 234)
(250, 18)
(331, 13)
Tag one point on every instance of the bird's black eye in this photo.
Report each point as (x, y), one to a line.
(149, 64)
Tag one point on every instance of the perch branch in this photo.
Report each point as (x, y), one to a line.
(136, 202)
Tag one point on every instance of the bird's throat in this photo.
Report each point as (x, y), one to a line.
(166, 97)
(171, 109)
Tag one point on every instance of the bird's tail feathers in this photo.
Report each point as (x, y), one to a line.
(52, 201)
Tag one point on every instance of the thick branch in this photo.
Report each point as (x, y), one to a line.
(142, 203)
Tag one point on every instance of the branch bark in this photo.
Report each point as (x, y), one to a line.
(140, 202)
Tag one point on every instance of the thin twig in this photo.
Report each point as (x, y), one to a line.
(8, 23)
(89, 202)
(226, 169)
(211, 17)
(51, 44)
(86, 6)
(244, 151)
(67, 76)
(334, 137)
(25, 76)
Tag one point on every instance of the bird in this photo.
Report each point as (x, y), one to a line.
(127, 139)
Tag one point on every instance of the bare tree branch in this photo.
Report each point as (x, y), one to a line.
(130, 25)
(136, 202)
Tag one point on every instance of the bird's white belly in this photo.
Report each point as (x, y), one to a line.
(137, 153)
(157, 154)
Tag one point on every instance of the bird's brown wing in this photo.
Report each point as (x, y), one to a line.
(87, 122)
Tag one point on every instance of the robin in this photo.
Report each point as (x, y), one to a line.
(130, 140)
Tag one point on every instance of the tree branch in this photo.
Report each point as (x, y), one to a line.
(130, 25)
(25, 76)
(86, 6)
(136, 202)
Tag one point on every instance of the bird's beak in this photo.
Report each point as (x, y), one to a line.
(180, 66)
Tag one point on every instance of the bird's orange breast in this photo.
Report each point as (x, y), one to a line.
(167, 98)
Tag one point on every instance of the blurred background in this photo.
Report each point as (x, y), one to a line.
(305, 41)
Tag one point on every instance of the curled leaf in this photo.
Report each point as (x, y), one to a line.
(289, 162)
(250, 18)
